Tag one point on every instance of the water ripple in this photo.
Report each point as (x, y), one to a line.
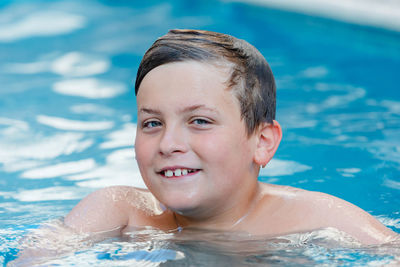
(74, 125)
(89, 88)
(60, 169)
(42, 23)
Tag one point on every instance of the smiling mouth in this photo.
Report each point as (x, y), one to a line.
(169, 173)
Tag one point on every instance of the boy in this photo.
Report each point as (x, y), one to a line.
(206, 110)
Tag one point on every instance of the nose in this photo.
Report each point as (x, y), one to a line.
(173, 141)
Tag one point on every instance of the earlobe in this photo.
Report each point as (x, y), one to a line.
(269, 136)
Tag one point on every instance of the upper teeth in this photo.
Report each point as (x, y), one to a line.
(177, 172)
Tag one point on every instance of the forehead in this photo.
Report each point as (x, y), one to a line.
(189, 80)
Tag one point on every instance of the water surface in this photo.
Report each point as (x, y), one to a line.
(68, 114)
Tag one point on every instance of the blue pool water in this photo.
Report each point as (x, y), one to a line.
(67, 122)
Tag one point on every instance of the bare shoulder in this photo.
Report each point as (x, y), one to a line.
(349, 218)
(109, 209)
(314, 210)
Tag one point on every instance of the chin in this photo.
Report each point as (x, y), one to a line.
(182, 207)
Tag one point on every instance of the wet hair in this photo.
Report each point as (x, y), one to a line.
(251, 77)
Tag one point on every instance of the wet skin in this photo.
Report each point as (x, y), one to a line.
(201, 168)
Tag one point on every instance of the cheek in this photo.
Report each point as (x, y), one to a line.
(224, 149)
(142, 151)
(143, 159)
(211, 146)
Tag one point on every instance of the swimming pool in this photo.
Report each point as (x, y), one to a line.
(338, 104)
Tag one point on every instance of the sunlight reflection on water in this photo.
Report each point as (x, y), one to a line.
(68, 116)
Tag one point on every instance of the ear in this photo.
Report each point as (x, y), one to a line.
(269, 136)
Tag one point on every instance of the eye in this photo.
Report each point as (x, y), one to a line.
(200, 121)
(151, 124)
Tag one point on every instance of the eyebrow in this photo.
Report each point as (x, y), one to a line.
(150, 111)
(184, 110)
(196, 107)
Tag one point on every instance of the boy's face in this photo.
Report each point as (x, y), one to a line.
(191, 144)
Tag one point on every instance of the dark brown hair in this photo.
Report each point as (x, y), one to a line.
(251, 77)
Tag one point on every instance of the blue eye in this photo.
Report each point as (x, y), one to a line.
(151, 124)
(200, 122)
